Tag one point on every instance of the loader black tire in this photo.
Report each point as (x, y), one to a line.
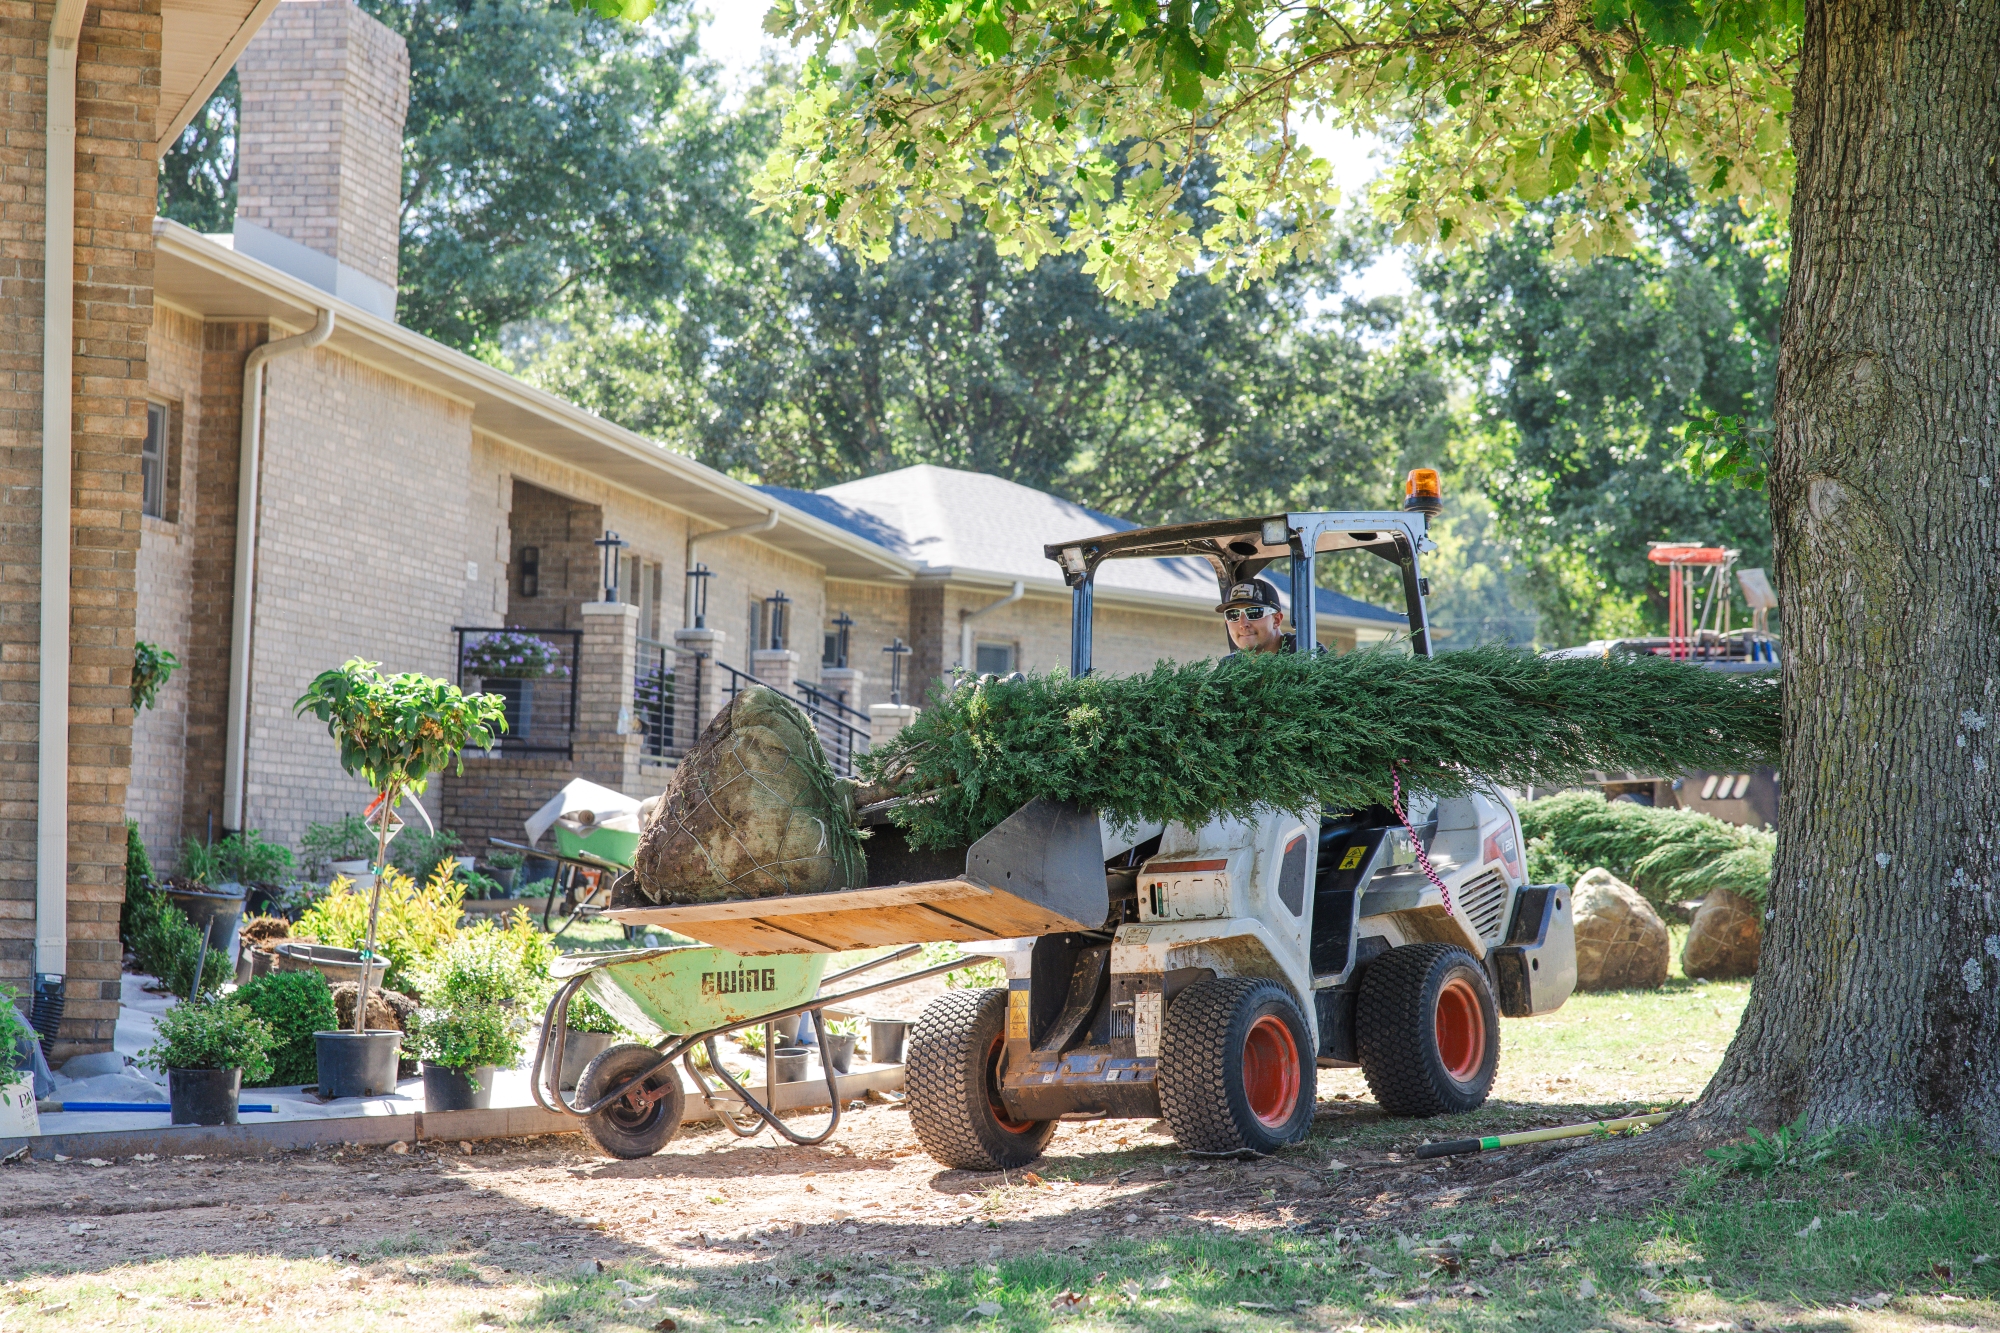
(1428, 1031)
(625, 1129)
(952, 1075)
(1236, 1068)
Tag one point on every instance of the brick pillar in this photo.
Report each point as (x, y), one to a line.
(885, 720)
(697, 683)
(607, 737)
(117, 184)
(843, 683)
(777, 668)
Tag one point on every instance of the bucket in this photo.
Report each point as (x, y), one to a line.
(886, 1038)
(448, 1089)
(357, 1065)
(336, 965)
(579, 1049)
(788, 1029)
(792, 1064)
(245, 962)
(359, 873)
(19, 1117)
(203, 1096)
(222, 906)
(839, 1052)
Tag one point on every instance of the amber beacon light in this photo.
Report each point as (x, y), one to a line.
(1423, 492)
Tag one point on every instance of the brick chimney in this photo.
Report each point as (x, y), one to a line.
(319, 149)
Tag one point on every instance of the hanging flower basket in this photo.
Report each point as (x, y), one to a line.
(514, 655)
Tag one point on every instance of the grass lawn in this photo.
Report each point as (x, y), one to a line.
(1113, 1229)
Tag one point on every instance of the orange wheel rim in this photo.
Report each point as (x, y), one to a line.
(1271, 1071)
(1461, 1030)
(1001, 1116)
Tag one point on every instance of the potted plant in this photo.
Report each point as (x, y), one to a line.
(207, 1048)
(470, 1025)
(505, 868)
(507, 662)
(841, 1034)
(591, 1032)
(393, 732)
(18, 1117)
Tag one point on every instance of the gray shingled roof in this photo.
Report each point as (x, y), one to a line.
(946, 518)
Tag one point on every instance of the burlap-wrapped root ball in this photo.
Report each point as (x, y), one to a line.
(753, 811)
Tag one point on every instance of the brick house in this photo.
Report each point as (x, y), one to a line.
(273, 476)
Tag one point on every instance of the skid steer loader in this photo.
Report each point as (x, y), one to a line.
(1200, 974)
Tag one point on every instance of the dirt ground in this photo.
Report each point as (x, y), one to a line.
(543, 1205)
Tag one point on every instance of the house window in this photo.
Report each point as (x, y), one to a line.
(829, 653)
(153, 463)
(756, 639)
(994, 659)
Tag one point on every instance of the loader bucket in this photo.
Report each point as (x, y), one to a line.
(1039, 873)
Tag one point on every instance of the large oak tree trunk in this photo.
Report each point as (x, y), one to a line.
(1879, 995)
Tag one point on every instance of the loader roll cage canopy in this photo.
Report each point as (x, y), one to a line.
(1241, 548)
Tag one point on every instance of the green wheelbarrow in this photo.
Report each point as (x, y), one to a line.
(631, 1097)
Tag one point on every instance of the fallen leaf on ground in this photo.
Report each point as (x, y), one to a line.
(1497, 1250)
(986, 1309)
(1586, 1290)
(1651, 1297)
(1161, 1283)
(1068, 1302)
(1875, 1302)
(1807, 1229)
(1255, 1305)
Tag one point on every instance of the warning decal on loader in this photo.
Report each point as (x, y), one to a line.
(1354, 855)
(1017, 1014)
(1146, 1023)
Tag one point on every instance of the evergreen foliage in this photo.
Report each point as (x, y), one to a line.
(1191, 741)
(1669, 856)
(167, 945)
(294, 1005)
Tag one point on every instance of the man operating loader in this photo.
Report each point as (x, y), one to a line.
(1255, 621)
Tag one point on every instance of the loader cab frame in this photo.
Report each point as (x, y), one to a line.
(1241, 548)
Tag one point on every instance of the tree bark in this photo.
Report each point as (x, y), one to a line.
(1878, 999)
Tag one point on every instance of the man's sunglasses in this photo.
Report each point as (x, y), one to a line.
(1236, 613)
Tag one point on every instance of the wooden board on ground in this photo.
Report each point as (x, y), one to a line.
(911, 913)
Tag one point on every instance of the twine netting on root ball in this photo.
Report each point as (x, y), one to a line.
(753, 811)
(1190, 741)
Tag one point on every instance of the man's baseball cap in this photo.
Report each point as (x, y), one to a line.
(1253, 592)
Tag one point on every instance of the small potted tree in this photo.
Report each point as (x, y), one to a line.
(469, 1027)
(393, 733)
(208, 1048)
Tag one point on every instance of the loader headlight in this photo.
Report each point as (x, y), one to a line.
(1275, 532)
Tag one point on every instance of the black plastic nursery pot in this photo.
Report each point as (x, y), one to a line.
(579, 1049)
(357, 1064)
(218, 910)
(839, 1052)
(203, 1096)
(447, 1089)
(885, 1040)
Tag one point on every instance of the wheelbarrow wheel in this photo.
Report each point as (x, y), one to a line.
(630, 1127)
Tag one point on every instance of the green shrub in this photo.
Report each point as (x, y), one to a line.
(348, 840)
(166, 944)
(240, 858)
(587, 1015)
(151, 665)
(212, 1034)
(1669, 856)
(464, 1038)
(295, 1005)
(419, 854)
(138, 875)
(12, 1033)
(506, 860)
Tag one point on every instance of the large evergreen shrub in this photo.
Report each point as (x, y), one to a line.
(1669, 856)
(166, 944)
(1189, 741)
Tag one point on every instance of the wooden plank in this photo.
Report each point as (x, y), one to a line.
(913, 924)
(753, 937)
(814, 904)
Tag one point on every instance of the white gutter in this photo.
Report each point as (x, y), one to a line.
(236, 755)
(965, 619)
(58, 366)
(764, 524)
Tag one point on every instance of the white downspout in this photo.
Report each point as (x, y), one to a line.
(236, 755)
(58, 364)
(764, 524)
(965, 619)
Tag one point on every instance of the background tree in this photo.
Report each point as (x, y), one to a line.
(1878, 999)
(1584, 376)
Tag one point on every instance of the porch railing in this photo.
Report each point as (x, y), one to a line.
(541, 707)
(653, 697)
(843, 740)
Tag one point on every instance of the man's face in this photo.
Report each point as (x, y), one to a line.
(1255, 636)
